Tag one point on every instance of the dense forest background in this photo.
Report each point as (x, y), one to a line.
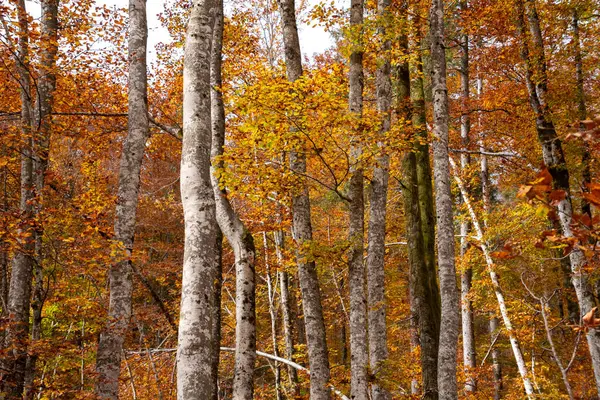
(412, 213)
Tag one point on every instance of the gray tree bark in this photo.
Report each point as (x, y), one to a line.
(110, 345)
(111, 340)
(496, 366)
(216, 315)
(195, 351)
(217, 129)
(359, 356)
(514, 341)
(468, 334)
(493, 323)
(19, 292)
(378, 351)
(237, 235)
(43, 125)
(554, 159)
(286, 310)
(302, 231)
(450, 317)
(586, 157)
(425, 293)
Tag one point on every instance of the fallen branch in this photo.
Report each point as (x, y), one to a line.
(496, 285)
(258, 353)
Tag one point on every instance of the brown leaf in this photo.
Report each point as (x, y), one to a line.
(590, 320)
(592, 198)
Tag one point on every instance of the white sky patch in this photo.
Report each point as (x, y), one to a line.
(313, 40)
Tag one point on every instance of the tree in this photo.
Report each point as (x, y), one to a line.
(110, 345)
(22, 264)
(424, 289)
(316, 340)
(443, 202)
(378, 351)
(468, 334)
(359, 357)
(36, 115)
(195, 350)
(554, 158)
(240, 240)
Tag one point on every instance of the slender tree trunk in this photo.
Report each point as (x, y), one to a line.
(43, 125)
(19, 293)
(496, 366)
(195, 350)
(563, 372)
(285, 301)
(514, 341)
(216, 314)
(428, 308)
(238, 237)
(450, 317)
(468, 334)
(378, 351)
(302, 231)
(217, 129)
(554, 159)
(271, 295)
(493, 323)
(359, 357)
(110, 345)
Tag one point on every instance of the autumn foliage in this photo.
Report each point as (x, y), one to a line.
(267, 119)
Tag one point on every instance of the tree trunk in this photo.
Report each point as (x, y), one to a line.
(554, 159)
(378, 351)
(285, 301)
(496, 366)
(302, 231)
(429, 305)
(468, 334)
(238, 237)
(359, 357)
(195, 351)
(216, 314)
(217, 128)
(19, 293)
(493, 323)
(514, 341)
(450, 317)
(271, 294)
(110, 345)
(43, 125)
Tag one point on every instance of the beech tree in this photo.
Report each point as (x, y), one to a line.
(36, 128)
(443, 203)
(228, 131)
(532, 53)
(378, 351)
(238, 237)
(195, 350)
(316, 339)
(110, 345)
